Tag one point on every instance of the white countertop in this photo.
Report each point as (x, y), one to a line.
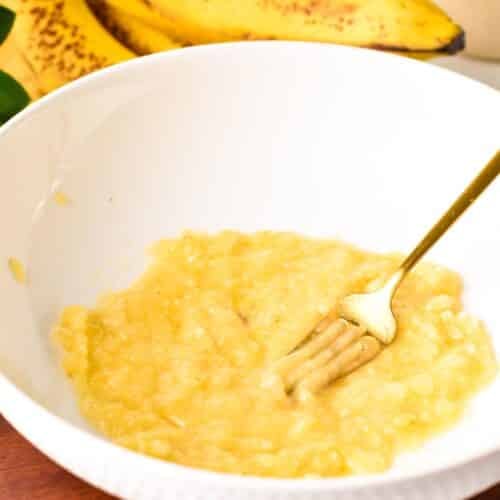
(485, 71)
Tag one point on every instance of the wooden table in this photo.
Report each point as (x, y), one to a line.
(26, 474)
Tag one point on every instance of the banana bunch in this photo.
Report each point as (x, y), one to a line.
(56, 41)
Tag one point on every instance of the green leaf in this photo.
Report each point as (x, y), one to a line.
(7, 17)
(13, 97)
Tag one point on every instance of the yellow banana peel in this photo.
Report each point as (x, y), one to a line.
(409, 25)
(10, 4)
(13, 62)
(63, 40)
(145, 12)
(131, 30)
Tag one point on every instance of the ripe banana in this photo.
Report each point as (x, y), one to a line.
(10, 4)
(56, 41)
(13, 62)
(62, 40)
(143, 11)
(130, 30)
(409, 25)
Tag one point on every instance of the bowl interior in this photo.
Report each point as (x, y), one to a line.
(325, 141)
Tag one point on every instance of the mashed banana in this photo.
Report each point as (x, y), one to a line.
(172, 366)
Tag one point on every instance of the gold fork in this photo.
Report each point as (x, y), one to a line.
(337, 347)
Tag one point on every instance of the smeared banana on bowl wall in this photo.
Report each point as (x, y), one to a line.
(60, 40)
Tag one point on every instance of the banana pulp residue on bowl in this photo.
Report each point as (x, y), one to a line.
(62, 199)
(171, 366)
(17, 270)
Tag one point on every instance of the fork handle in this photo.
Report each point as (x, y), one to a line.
(464, 201)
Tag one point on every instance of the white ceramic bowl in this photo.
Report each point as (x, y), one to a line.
(285, 136)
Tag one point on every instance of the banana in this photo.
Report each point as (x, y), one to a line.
(143, 11)
(10, 4)
(397, 25)
(62, 40)
(13, 62)
(130, 30)
(56, 41)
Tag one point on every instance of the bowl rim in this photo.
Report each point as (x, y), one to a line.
(158, 466)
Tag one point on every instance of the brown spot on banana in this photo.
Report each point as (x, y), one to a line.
(318, 7)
